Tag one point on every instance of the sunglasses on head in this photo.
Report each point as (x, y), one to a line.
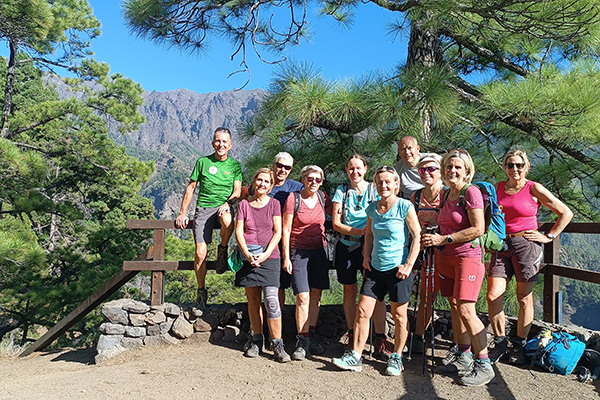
(286, 167)
(385, 168)
(311, 179)
(512, 165)
(429, 170)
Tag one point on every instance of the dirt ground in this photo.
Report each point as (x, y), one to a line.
(213, 371)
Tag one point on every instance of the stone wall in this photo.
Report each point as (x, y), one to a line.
(130, 324)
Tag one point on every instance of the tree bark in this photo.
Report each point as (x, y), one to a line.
(9, 87)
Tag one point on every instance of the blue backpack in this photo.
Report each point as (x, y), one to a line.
(560, 355)
(495, 227)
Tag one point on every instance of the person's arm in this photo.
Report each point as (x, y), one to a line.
(182, 219)
(328, 204)
(235, 195)
(285, 241)
(245, 192)
(241, 240)
(368, 247)
(565, 215)
(412, 221)
(338, 226)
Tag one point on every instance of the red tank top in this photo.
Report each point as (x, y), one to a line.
(520, 209)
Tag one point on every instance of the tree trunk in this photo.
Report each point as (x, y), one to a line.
(9, 88)
(423, 51)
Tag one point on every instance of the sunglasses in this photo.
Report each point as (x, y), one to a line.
(457, 150)
(385, 168)
(311, 179)
(512, 165)
(429, 170)
(286, 167)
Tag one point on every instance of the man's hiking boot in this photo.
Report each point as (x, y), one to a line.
(279, 350)
(462, 364)
(302, 348)
(221, 263)
(201, 299)
(517, 354)
(481, 374)
(499, 351)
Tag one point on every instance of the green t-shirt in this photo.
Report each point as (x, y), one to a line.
(215, 179)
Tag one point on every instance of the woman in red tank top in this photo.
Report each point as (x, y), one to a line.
(520, 200)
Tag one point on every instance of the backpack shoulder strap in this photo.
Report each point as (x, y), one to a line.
(417, 202)
(296, 202)
(321, 197)
(345, 188)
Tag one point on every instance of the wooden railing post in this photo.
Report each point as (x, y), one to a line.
(551, 282)
(158, 277)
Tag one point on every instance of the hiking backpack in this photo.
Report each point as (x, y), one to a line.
(560, 355)
(297, 198)
(495, 227)
(371, 194)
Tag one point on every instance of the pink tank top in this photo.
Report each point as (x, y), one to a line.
(520, 209)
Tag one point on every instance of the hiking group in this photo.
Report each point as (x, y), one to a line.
(422, 218)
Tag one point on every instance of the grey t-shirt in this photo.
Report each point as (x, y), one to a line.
(410, 181)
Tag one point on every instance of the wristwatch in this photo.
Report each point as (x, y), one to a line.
(449, 239)
(550, 236)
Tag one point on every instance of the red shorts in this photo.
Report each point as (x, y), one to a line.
(460, 277)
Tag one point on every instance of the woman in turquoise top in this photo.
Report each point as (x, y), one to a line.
(389, 257)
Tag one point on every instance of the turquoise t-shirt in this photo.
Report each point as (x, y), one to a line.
(355, 214)
(215, 179)
(390, 235)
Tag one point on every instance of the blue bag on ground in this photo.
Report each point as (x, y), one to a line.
(560, 355)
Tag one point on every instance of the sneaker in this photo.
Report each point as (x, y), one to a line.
(314, 346)
(221, 264)
(499, 351)
(462, 364)
(249, 340)
(517, 355)
(451, 355)
(481, 374)
(418, 347)
(201, 299)
(280, 354)
(348, 362)
(302, 348)
(254, 350)
(394, 365)
(383, 348)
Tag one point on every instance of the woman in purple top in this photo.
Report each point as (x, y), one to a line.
(258, 231)
(520, 200)
(459, 264)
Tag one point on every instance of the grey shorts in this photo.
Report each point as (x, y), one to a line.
(205, 220)
(310, 269)
(522, 259)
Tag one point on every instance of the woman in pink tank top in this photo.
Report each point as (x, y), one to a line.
(520, 200)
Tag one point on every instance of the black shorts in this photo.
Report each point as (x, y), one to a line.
(377, 284)
(310, 269)
(347, 263)
(265, 275)
(205, 220)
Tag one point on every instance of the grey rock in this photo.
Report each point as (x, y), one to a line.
(172, 310)
(198, 337)
(165, 327)
(137, 319)
(156, 317)
(153, 330)
(230, 333)
(108, 328)
(106, 342)
(135, 331)
(196, 312)
(160, 340)
(137, 307)
(202, 326)
(132, 342)
(182, 328)
(115, 314)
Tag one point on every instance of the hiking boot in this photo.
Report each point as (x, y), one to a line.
(201, 299)
(348, 341)
(249, 340)
(314, 346)
(481, 374)
(462, 364)
(348, 362)
(302, 348)
(280, 354)
(451, 355)
(499, 351)
(394, 365)
(517, 355)
(383, 348)
(221, 264)
(418, 347)
(254, 350)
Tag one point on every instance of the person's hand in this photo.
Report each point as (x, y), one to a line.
(404, 271)
(181, 221)
(361, 232)
(287, 265)
(258, 259)
(536, 236)
(366, 264)
(432, 239)
(223, 209)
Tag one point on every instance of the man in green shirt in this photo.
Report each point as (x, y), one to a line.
(219, 181)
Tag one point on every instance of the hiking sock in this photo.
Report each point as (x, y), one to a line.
(464, 348)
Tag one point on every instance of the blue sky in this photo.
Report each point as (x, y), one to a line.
(340, 53)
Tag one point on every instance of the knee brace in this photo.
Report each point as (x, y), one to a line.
(272, 302)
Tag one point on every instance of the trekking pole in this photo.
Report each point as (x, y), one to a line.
(432, 329)
(427, 256)
(414, 322)
(371, 327)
